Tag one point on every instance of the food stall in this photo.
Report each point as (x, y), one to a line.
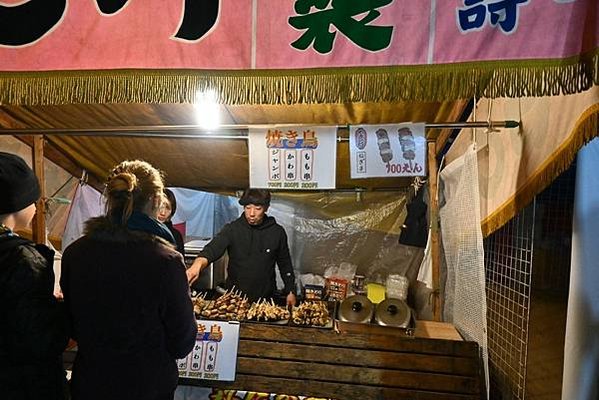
(133, 94)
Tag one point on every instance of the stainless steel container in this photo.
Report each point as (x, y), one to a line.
(393, 312)
(214, 274)
(356, 308)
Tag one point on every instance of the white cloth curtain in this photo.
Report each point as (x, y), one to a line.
(86, 204)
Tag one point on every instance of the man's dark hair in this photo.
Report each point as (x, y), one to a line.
(258, 197)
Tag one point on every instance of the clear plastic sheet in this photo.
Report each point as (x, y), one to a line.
(361, 228)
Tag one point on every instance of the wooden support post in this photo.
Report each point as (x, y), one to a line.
(38, 229)
(434, 221)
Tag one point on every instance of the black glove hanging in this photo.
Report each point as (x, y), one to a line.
(414, 231)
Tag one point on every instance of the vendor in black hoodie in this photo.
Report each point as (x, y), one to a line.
(255, 242)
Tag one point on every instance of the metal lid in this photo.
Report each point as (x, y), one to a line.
(357, 308)
(393, 312)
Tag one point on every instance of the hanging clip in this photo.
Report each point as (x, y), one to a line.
(83, 179)
(417, 183)
(474, 107)
(490, 127)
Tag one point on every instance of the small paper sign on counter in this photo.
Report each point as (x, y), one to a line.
(214, 355)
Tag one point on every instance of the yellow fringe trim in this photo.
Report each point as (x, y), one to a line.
(510, 78)
(585, 129)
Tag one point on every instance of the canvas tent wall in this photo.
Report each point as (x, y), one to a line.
(514, 168)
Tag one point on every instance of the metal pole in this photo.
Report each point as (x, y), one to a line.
(198, 132)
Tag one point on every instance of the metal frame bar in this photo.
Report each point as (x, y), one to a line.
(198, 132)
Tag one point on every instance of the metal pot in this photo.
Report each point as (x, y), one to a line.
(357, 308)
(393, 312)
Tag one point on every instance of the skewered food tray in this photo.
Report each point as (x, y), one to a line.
(315, 314)
(267, 311)
(231, 306)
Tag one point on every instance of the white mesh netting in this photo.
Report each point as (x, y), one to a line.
(465, 297)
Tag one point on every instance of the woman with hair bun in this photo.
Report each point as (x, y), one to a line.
(127, 295)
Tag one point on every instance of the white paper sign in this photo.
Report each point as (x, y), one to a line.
(293, 158)
(387, 150)
(214, 355)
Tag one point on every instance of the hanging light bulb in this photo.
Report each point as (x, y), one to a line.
(207, 110)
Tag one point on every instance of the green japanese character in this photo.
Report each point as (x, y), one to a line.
(341, 15)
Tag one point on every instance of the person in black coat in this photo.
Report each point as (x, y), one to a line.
(167, 209)
(255, 243)
(127, 295)
(33, 328)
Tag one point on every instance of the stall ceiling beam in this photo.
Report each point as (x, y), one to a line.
(230, 132)
(39, 221)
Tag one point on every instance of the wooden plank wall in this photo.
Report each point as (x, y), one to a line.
(323, 363)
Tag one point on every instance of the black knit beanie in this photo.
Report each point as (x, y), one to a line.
(18, 184)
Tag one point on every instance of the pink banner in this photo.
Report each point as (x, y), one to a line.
(43, 35)
(139, 35)
(405, 19)
(514, 29)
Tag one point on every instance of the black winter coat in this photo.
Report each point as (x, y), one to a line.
(253, 252)
(128, 301)
(33, 329)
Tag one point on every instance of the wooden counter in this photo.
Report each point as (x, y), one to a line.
(368, 363)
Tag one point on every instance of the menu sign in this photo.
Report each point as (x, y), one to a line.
(214, 355)
(387, 150)
(293, 158)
